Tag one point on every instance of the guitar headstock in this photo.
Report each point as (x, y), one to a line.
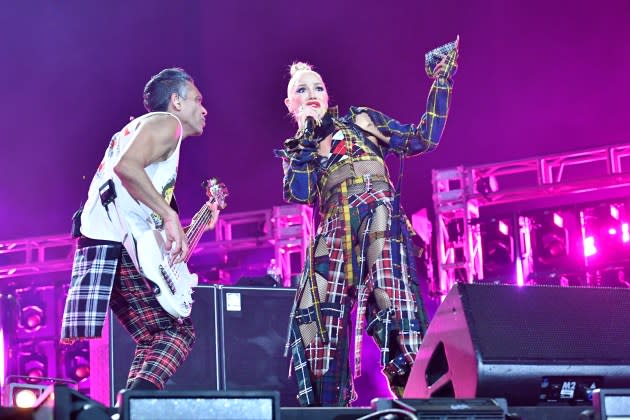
(216, 191)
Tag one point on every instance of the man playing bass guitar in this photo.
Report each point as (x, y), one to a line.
(133, 186)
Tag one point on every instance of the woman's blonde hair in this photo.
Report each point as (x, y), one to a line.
(295, 68)
(299, 65)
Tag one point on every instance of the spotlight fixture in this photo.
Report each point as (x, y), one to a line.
(554, 243)
(24, 395)
(487, 185)
(35, 313)
(20, 391)
(605, 235)
(34, 366)
(78, 362)
(32, 318)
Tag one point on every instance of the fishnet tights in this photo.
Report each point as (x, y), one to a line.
(372, 229)
(378, 224)
(309, 331)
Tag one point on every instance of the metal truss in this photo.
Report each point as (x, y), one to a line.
(40, 255)
(459, 193)
(287, 229)
(292, 233)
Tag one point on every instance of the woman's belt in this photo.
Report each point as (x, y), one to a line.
(359, 185)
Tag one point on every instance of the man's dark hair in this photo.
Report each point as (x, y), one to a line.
(158, 90)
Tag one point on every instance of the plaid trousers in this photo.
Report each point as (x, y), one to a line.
(162, 342)
(103, 276)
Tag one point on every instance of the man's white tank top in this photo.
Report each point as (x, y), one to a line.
(98, 222)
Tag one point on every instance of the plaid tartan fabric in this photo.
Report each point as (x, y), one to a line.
(162, 343)
(93, 273)
(321, 363)
(103, 271)
(304, 170)
(382, 275)
(322, 368)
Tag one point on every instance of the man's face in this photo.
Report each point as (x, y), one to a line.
(193, 114)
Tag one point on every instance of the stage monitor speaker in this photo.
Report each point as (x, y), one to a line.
(254, 322)
(529, 345)
(445, 408)
(611, 404)
(58, 402)
(200, 370)
(196, 405)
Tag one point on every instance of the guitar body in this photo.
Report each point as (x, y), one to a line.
(174, 283)
(148, 251)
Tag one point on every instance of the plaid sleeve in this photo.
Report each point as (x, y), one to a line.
(301, 172)
(409, 139)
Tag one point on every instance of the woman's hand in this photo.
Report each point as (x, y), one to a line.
(448, 61)
(305, 111)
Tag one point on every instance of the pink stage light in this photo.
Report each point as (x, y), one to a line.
(612, 231)
(1, 355)
(25, 398)
(32, 318)
(625, 235)
(503, 228)
(614, 212)
(519, 273)
(589, 246)
(558, 220)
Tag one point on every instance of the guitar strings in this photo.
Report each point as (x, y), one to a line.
(198, 230)
(194, 236)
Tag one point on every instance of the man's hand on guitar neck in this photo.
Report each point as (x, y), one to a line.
(175, 238)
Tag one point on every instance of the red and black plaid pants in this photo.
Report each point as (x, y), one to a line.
(162, 343)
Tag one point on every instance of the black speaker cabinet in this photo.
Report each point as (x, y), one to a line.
(530, 345)
(610, 404)
(199, 372)
(254, 324)
(241, 332)
(199, 405)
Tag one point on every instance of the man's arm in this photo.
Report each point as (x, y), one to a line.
(155, 141)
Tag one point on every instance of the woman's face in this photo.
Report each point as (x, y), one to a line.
(307, 88)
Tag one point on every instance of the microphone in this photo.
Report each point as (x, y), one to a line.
(308, 133)
(309, 127)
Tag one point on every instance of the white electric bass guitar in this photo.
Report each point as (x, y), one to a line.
(174, 282)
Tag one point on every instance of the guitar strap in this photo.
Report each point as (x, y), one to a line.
(173, 204)
(108, 196)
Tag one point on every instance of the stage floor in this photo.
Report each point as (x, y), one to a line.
(524, 413)
(291, 413)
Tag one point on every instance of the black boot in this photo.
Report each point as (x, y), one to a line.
(397, 373)
(140, 383)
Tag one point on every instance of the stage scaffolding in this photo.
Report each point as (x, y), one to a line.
(35, 276)
(460, 192)
(283, 230)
